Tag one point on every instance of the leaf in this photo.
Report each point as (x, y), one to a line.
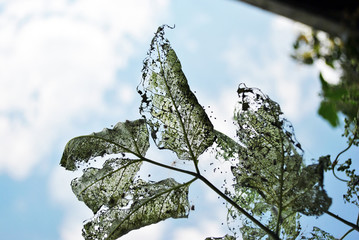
(328, 111)
(149, 203)
(271, 168)
(107, 186)
(226, 237)
(120, 201)
(178, 122)
(227, 148)
(125, 137)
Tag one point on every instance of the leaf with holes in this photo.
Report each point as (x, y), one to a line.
(178, 122)
(125, 137)
(147, 203)
(120, 201)
(271, 179)
(226, 237)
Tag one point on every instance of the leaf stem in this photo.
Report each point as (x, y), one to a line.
(235, 205)
(140, 156)
(170, 167)
(346, 234)
(337, 158)
(219, 192)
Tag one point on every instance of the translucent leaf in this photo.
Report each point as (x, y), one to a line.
(177, 120)
(227, 148)
(271, 170)
(148, 203)
(107, 186)
(130, 136)
(226, 237)
(119, 201)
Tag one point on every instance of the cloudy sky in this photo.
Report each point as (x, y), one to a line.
(70, 67)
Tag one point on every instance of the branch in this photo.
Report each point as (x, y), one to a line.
(355, 227)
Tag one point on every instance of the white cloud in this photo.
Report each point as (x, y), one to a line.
(57, 60)
(126, 94)
(71, 229)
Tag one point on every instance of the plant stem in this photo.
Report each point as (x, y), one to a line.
(234, 204)
(169, 167)
(355, 227)
(337, 159)
(346, 234)
(220, 193)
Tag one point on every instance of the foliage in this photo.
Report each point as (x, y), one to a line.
(271, 178)
(272, 185)
(341, 55)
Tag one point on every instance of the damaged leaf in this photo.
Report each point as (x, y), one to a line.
(125, 137)
(226, 237)
(121, 202)
(108, 186)
(149, 203)
(271, 179)
(178, 122)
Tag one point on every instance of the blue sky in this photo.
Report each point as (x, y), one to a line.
(70, 67)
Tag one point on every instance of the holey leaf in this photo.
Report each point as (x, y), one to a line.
(178, 122)
(126, 137)
(108, 186)
(120, 200)
(271, 179)
(149, 203)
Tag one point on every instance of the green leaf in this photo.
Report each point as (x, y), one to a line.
(328, 111)
(125, 137)
(271, 169)
(324, 83)
(227, 148)
(120, 201)
(148, 203)
(107, 186)
(226, 237)
(178, 122)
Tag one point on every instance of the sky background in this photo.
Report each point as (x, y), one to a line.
(71, 67)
